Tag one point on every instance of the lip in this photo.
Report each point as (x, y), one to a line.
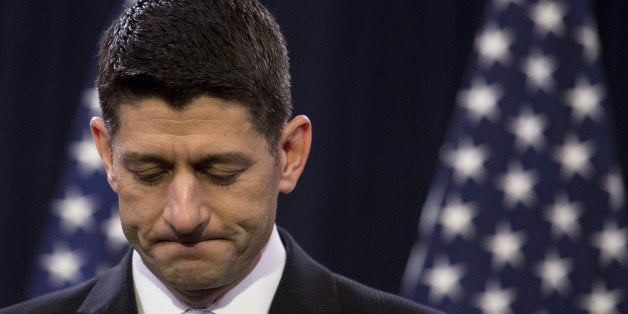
(191, 243)
(192, 240)
(182, 248)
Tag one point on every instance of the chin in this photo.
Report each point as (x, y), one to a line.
(195, 276)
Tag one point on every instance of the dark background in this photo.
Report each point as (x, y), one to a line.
(377, 78)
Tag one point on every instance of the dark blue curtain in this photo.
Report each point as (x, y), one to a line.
(377, 78)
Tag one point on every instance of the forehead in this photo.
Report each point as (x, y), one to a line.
(200, 109)
(205, 122)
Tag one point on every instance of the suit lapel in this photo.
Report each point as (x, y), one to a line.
(113, 291)
(305, 286)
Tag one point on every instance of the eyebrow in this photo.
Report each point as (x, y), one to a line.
(238, 158)
(226, 158)
(130, 158)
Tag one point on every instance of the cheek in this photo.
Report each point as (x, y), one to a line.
(255, 202)
(139, 209)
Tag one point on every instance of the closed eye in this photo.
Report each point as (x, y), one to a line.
(149, 176)
(220, 176)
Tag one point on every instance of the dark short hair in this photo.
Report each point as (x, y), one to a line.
(178, 50)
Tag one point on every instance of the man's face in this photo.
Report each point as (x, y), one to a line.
(197, 190)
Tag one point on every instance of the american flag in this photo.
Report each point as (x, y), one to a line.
(527, 212)
(84, 235)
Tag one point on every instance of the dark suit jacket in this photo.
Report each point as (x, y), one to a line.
(305, 287)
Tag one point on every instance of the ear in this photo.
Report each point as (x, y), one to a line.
(101, 138)
(294, 147)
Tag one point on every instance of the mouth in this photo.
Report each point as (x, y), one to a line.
(190, 243)
(194, 239)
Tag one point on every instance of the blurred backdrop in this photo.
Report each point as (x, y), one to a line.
(377, 78)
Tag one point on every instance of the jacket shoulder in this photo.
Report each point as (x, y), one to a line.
(309, 287)
(109, 292)
(63, 301)
(358, 298)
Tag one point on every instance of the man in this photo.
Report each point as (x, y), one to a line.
(197, 142)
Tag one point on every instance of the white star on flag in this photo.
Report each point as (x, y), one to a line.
(86, 154)
(444, 279)
(564, 215)
(587, 37)
(539, 70)
(456, 219)
(612, 243)
(505, 247)
(63, 265)
(528, 129)
(493, 45)
(113, 230)
(584, 100)
(481, 100)
(90, 100)
(75, 211)
(554, 272)
(548, 17)
(467, 161)
(495, 300)
(601, 300)
(614, 186)
(518, 185)
(574, 157)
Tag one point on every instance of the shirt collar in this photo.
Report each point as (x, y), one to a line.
(254, 294)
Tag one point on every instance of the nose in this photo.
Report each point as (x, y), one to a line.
(185, 212)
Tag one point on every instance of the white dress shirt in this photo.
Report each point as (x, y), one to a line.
(253, 294)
